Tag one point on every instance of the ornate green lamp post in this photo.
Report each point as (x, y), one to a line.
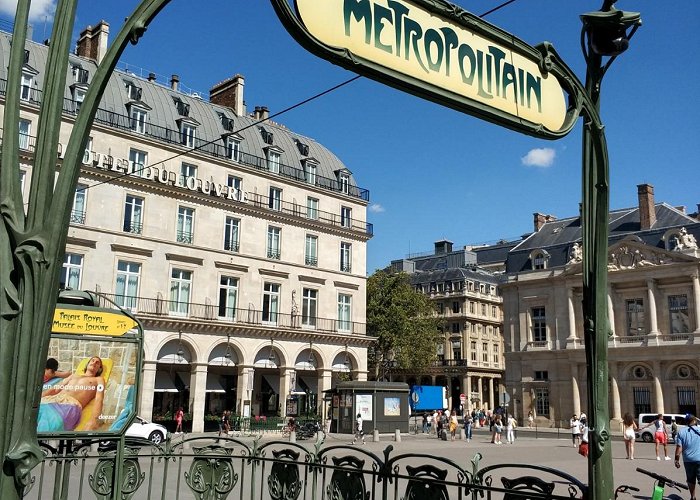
(605, 34)
(32, 242)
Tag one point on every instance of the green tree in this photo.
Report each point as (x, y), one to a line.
(404, 322)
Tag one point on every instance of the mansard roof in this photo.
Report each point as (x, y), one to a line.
(162, 101)
(558, 236)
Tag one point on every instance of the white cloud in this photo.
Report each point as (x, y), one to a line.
(539, 157)
(40, 10)
(376, 208)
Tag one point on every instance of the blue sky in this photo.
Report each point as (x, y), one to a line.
(432, 172)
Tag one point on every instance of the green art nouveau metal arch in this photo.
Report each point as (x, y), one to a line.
(32, 245)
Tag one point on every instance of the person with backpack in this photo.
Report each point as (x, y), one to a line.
(688, 445)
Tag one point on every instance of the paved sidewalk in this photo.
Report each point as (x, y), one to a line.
(547, 447)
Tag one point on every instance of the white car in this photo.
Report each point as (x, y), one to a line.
(144, 429)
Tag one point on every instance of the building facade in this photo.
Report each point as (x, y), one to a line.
(239, 244)
(470, 361)
(653, 306)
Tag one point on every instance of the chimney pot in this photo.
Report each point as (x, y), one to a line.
(174, 82)
(151, 77)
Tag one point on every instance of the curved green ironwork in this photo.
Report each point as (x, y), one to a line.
(32, 245)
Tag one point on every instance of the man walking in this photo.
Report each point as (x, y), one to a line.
(359, 433)
(688, 444)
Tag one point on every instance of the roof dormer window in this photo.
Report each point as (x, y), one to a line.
(226, 122)
(188, 134)
(273, 160)
(310, 170)
(80, 75)
(133, 92)
(344, 181)
(27, 87)
(183, 109)
(303, 148)
(539, 259)
(267, 136)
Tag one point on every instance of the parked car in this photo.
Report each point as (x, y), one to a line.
(647, 435)
(144, 429)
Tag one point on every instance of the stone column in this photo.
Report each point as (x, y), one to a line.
(658, 391)
(491, 393)
(696, 301)
(480, 388)
(244, 389)
(284, 389)
(575, 393)
(572, 316)
(611, 311)
(198, 392)
(325, 382)
(615, 392)
(148, 384)
(465, 391)
(651, 296)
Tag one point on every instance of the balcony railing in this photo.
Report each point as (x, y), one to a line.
(297, 210)
(219, 151)
(185, 237)
(231, 246)
(452, 362)
(210, 312)
(77, 217)
(133, 227)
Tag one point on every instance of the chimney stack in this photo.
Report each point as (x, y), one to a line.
(442, 247)
(92, 42)
(264, 113)
(229, 93)
(175, 82)
(539, 221)
(151, 77)
(647, 210)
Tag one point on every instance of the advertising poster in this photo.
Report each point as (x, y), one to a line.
(363, 403)
(89, 383)
(392, 407)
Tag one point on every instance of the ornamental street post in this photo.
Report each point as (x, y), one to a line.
(438, 51)
(32, 245)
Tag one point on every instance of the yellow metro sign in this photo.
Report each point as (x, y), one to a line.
(440, 52)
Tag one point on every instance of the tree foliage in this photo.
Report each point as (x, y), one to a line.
(404, 322)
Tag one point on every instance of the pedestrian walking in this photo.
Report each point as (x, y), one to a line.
(628, 428)
(425, 423)
(510, 429)
(179, 416)
(468, 424)
(575, 425)
(660, 436)
(583, 446)
(674, 429)
(359, 433)
(453, 426)
(530, 419)
(497, 430)
(688, 445)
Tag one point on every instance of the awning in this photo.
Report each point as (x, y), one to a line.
(164, 383)
(213, 384)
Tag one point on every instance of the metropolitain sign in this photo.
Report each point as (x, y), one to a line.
(438, 51)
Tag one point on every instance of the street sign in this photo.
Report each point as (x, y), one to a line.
(439, 52)
(463, 398)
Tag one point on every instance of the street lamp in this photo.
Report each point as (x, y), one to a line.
(605, 33)
(387, 363)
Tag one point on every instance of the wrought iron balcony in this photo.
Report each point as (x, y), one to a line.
(159, 307)
(77, 217)
(311, 261)
(185, 237)
(133, 227)
(231, 246)
(273, 254)
(202, 145)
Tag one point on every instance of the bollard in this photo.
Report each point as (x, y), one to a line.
(375, 436)
(397, 435)
(292, 437)
(463, 434)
